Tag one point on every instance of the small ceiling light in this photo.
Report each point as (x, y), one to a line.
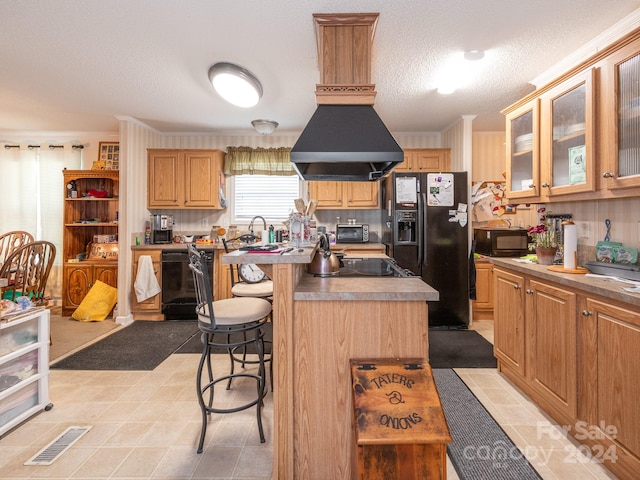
(473, 55)
(265, 127)
(235, 84)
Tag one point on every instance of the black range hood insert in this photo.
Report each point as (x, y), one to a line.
(345, 143)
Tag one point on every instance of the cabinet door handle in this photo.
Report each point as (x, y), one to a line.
(529, 291)
(607, 175)
(532, 185)
(516, 286)
(586, 313)
(546, 185)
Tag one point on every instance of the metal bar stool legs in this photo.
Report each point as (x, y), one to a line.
(208, 389)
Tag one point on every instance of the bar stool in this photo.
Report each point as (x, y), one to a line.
(242, 288)
(226, 324)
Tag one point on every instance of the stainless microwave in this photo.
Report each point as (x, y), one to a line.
(501, 242)
(352, 233)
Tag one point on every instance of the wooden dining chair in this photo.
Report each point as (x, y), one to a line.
(27, 270)
(11, 241)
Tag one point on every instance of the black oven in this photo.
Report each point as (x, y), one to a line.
(178, 290)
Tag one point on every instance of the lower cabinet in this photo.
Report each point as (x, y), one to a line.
(151, 308)
(222, 277)
(576, 355)
(483, 304)
(608, 387)
(80, 277)
(550, 325)
(508, 324)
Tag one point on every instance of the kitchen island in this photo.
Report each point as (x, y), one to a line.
(319, 325)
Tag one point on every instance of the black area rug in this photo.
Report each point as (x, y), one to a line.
(195, 344)
(143, 345)
(480, 449)
(459, 349)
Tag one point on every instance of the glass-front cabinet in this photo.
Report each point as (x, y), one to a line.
(622, 118)
(567, 137)
(523, 165)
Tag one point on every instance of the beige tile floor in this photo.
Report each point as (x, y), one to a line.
(146, 425)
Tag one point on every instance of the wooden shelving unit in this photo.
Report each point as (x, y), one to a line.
(84, 218)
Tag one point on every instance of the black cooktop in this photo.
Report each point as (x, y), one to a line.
(371, 267)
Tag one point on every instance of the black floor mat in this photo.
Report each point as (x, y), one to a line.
(459, 349)
(143, 345)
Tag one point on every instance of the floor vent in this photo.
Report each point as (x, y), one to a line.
(55, 449)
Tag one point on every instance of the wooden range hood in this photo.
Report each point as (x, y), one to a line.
(345, 45)
(345, 139)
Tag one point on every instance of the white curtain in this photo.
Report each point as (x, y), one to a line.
(32, 190)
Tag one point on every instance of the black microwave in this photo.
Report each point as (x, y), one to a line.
(501, 242)
(352, 233)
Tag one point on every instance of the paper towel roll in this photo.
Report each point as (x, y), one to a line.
(265, 237)
(570, 254)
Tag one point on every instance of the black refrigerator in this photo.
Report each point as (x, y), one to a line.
(425, 224)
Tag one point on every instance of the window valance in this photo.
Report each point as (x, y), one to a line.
(258, 161)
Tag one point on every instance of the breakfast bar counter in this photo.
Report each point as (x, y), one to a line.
(319, 325)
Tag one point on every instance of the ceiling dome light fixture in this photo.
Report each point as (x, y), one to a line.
(265, 127)
(235, 84)
(473, 55)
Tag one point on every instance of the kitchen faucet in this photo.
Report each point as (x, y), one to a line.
(253, 220)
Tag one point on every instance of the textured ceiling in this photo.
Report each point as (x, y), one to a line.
(75, 65)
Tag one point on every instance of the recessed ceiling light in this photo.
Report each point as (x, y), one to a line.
(235, 84)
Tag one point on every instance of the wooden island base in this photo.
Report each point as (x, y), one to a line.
(319, 325)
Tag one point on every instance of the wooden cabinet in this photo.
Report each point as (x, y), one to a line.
(577, 137)
(151, 308)
(535, 337)
(222, 277)
(621, 114)
(78, 278)
(24, 368)
(87, 216)
(568, 136)
(483, 304)
(523, 151)
(608, 391)
(425, 160)
(180, 179)
(578, 360)
(550, 324)
(508, 324)
(334, 195)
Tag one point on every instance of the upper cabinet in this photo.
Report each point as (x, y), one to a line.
(425, 160)
(567, 136)
(180, 179)
(335, 195)
(578, 137)
(523, 154)
(621, 116)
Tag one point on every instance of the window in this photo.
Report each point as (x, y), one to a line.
(269, 196)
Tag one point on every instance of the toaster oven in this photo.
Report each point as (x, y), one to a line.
(352, 233)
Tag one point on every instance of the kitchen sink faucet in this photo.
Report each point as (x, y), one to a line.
(264, 222)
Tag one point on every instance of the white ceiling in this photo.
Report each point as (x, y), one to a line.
(76, 65)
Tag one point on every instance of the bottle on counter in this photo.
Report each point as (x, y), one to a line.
(147, 235)
(272, 234)
(332, 238)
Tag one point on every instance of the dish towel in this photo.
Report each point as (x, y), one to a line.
(146, 284)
